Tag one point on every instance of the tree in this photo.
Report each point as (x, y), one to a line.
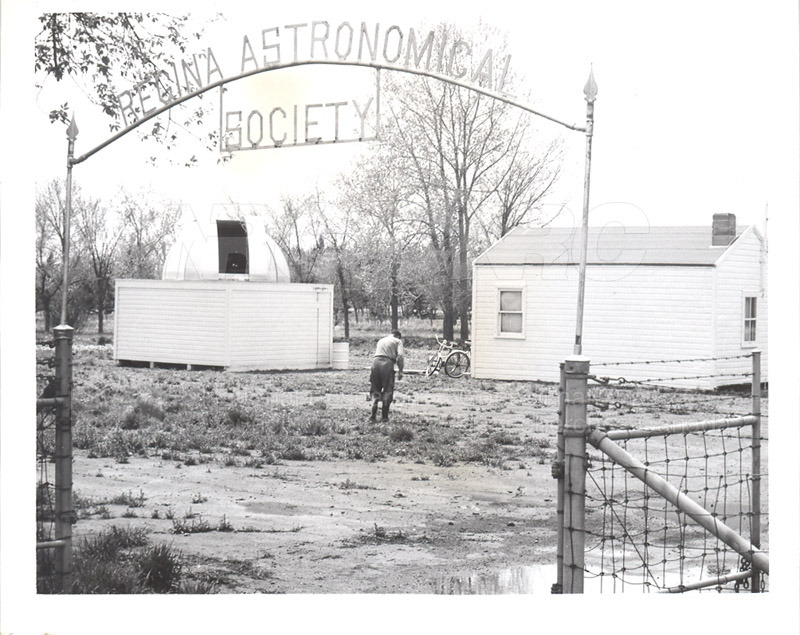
(376, 193)
(337, 224)
(527, 182)
(462, 148)
(297, 230)
(99, 50)
(48, 250)
(149, 231)
(50, 202)
(100, 233)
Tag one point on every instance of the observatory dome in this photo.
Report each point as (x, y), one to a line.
(222, 248)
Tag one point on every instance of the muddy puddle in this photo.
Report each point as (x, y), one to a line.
(538, 579)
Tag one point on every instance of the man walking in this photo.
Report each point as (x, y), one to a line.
(388, 352)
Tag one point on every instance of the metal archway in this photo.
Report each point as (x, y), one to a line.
(590, 94)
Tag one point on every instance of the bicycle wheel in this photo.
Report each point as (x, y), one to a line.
(456, 364)
(433, 365)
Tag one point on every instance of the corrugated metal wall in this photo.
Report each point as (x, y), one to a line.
(238, 325)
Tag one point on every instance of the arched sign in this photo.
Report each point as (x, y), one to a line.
(316, 43)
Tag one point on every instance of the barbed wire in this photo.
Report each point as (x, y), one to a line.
(679, 408)
(672, 361)
(651, 381)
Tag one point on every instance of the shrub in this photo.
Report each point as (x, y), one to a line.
(109, 543)
(183, 527)
(224, 524)
(123, 443)
(315, 428)
(159, 568)
(142, 412)
(237, 415)
(197, 587)
(115, 561)
(128, 499)
(400, 434)
(102, 576)
(294, 453)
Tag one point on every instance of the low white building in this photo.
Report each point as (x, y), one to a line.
(225, 300)
(652, 294)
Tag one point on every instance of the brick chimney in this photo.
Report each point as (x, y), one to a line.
(723, 230)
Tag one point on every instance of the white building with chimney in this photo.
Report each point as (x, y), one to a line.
(652, 294)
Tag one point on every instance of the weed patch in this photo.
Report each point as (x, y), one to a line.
(129, 499)
(121, 560)
(192, 526)
(348, 484)
(401, 434)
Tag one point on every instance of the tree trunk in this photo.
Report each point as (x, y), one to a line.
(448, 324)
(463, 298)
(101, 301)
(448, 309)
(47, 317)
(393, 302)
(448, 302)
(345, 302)
(463, 294)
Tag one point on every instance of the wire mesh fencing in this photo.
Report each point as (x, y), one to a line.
(638, 538)
(671, 508)
(54, 512)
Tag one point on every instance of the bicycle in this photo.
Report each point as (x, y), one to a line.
(456, 361)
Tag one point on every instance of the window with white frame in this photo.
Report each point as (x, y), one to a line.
(510, 315)
(750, 320)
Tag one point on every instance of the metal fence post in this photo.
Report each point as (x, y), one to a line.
(755, 528)
(576, 371)
(63, 455)
(558, 473)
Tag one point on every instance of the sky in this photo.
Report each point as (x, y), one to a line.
(696, 114)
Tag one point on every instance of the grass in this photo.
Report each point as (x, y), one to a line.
(350, 485)
(121, 560)
(187, 412)
(239, 420)
(181, 526)
(128, 499)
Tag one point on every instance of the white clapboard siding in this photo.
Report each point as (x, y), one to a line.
(740, 272)
(238, 325)
(289, 329)
(631, 313)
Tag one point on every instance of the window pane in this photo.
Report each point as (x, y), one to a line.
(750, 331)
(511, 323)
(749, 307)
(511, 300)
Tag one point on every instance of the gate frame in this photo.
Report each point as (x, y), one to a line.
(570, 470)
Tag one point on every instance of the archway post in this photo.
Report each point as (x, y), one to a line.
(590, 94)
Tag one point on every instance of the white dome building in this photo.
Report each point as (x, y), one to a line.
(222, 248)
(225, 300)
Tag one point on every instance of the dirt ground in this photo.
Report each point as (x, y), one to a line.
(406, 520)
(338, 527)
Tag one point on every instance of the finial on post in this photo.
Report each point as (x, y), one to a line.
(590, 89)
(72, 131)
